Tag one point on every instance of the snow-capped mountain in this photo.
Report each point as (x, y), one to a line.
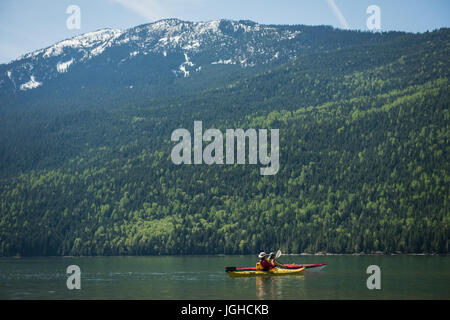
(157, 53)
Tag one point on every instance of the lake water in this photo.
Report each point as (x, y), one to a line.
(203, 277)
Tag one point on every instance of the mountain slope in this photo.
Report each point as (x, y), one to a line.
(364, 165)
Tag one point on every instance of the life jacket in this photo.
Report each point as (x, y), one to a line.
(259, 267)
(263, 265)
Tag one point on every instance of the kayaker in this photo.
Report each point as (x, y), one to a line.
(263, 264)
(273, 262)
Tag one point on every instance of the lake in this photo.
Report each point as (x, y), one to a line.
(203, 277)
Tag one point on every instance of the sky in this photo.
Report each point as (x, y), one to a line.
(28, 25)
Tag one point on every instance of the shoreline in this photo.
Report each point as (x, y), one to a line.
(304, 254)
(365, 254)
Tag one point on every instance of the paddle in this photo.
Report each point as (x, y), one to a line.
(278, 254)
(230, 269)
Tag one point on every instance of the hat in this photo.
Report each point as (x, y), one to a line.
(271, 255)
(262, 254)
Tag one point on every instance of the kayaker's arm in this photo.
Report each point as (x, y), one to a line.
(278, 264)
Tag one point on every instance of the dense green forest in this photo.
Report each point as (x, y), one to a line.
(364, 163)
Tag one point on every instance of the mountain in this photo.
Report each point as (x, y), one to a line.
(158, 54)
(364, 153)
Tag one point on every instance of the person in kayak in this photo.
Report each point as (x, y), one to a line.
(263, 264)
(274, 262)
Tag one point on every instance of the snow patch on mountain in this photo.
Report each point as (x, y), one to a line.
(229, 61)
(186, 63)
(204, 27)
(30, 84)
(292, 35)
(192, 45)
(62, 67)
(98, 39)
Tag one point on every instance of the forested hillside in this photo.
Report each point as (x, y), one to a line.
(364, 162)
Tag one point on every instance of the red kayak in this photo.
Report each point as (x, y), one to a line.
(286, 266)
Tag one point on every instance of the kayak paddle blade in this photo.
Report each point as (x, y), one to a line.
(278, 254)
(230, 269)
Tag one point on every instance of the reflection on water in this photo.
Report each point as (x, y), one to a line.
(265, 288)
(271, 288)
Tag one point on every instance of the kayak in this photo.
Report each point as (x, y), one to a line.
(271, 272)
(286, 266)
